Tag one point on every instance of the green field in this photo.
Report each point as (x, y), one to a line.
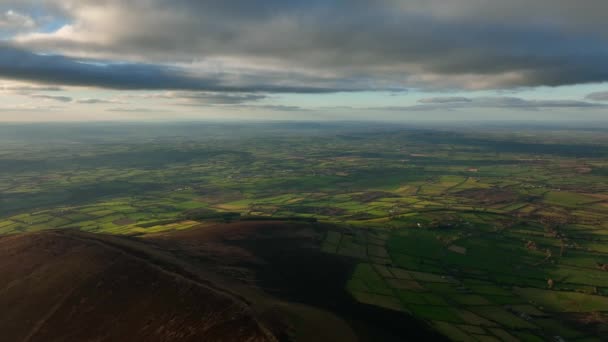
(483, 234)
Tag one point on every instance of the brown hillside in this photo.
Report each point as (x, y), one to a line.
(243, 281)
(73, 286)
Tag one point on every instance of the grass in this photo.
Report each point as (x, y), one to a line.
(387, 302)
(568, 199)
(366, 274)
(452, 331)
(565, 301)
(435, 313)
(405, 204)
(502, 317)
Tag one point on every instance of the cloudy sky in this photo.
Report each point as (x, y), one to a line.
(315, 59)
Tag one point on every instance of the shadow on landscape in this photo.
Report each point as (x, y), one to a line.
(289, 264)
(245, 281)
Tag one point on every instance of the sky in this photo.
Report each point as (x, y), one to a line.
(395, 60)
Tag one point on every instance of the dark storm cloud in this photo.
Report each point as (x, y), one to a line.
(380, 44)
(19, 64)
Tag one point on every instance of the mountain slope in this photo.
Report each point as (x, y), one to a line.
(242, 281)
(70, 286)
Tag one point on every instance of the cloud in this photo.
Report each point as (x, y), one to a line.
(514, 102)
(51, 97)
(28, 108)
(276, 108)
(28, 88)
(599, 96)
(12, 22)
(445, 100)
(135, 110)
(96, 101)
(208, 98)
(453, 103)
(33, 92)
(472, 44)
(23, 65)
